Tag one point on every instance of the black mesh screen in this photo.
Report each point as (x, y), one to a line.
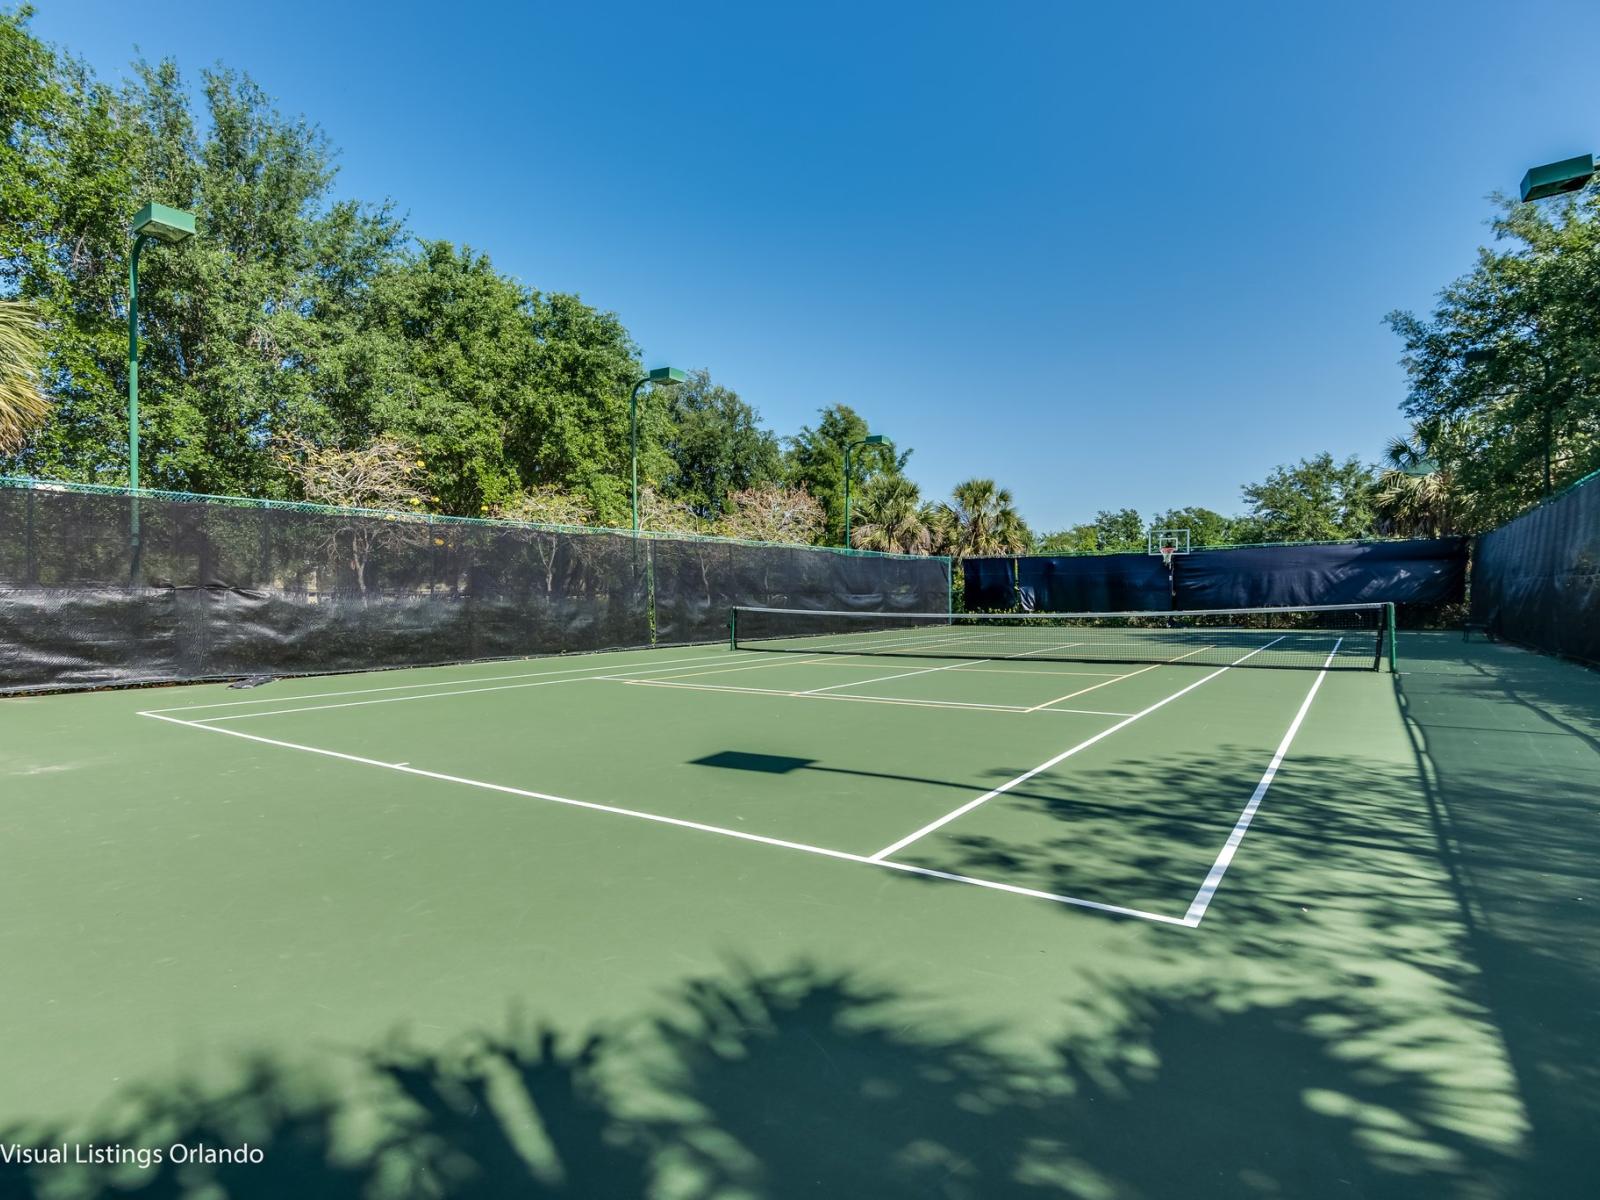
(97, 588)
(1536, 579)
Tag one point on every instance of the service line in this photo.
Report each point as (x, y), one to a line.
(919, 834)
(679, 822)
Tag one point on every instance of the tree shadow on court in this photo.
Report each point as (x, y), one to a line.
(1508, 749)
(1437, 913)
(1392, 996)
(810, 1082)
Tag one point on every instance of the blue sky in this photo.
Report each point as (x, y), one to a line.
(1110, 255)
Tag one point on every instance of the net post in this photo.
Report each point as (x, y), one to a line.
(1393, 658)
(733, 631)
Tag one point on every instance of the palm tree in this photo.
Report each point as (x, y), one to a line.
(892, 517)
(983, 521)
(22, 407)
(1416, 489)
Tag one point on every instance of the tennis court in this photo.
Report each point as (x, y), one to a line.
(1040, 904)
(897, 748)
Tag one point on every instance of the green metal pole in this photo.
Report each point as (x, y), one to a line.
(633, 444)
(850, 446)
(1393, 658)
(1549, 434)
(133, 363)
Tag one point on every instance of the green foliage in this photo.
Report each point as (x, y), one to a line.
(891, 517)
(1418, 488)
(1532, 307)
(815, 461)
(544, 505)
(22, 407)
(772, 513)
(981, 519)
(715, 445)
(445, 360)
(1121, 530)
(1076, 539)
(1316, 499)
(1206, 526)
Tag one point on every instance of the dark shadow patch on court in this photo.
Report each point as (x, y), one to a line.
(813, 1082)
(745, 760)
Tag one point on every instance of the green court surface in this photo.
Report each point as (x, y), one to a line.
(836, 925)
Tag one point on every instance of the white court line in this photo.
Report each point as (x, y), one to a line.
(1093, 686)
(1045, 649)
(883, 678)
(657, 818)
(1116, 680)
(755, 691)
(684, 673)
(1208, 889)
(1062, 757)
(406, 687)
(788, 695)
(469, 691)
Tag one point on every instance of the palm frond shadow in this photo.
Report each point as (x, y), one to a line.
(808, 1082)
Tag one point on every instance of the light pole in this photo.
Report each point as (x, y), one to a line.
(663, 375)
(872, 439)
(1540, 183)
(159, 223)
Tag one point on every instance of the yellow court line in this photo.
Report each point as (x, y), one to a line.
(1042, 671)
(750, 667)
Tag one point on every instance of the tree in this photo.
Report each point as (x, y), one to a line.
(232, 322)
(1206, 527)
(546, 504)
(815, 461)
(1416, 488)
(385, 474)
(772, 513)
(1119, 530)
(982, 520)
(715, 445)
(447, 363)
(1076, 539)
(1512, 354)
(22, 408)
(891, 517)
(574, 430)
(662, 514)
(1315, 499)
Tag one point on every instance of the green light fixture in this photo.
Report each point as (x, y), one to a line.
(668, 377)
(872, 439)
(1553, 179)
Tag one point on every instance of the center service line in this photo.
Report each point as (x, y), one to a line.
(883, 854)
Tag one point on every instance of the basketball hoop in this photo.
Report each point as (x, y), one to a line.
(1167, 543)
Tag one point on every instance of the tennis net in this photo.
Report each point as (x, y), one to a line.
(1336, 636)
